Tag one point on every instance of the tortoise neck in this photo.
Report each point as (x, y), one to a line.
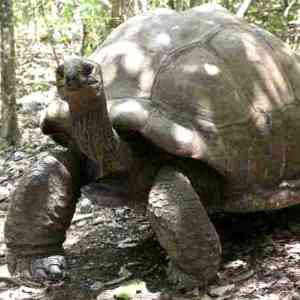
(98, 140)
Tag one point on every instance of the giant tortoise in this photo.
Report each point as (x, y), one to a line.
(196, 112)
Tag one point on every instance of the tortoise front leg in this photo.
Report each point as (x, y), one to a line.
(40, 212)
(183, 229)
(145, 117)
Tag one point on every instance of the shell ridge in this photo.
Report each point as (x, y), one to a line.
(204, 38)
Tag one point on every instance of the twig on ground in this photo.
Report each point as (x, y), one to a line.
(149, 271)
(243, 8)
(82, 217)
(20, 282)
(242, 277)
(117, 281)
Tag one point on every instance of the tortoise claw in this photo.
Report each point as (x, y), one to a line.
(52, 268)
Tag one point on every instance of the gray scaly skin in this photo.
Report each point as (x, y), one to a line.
(42, 206)
(84, 81)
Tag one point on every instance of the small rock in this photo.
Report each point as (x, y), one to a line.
(297, 284)
(18, 155)
(127, 243)
(219, 291)
(85, 205)
(236, 264)
(3, 285)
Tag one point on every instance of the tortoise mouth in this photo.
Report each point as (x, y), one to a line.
(77, 86)
(84, 98)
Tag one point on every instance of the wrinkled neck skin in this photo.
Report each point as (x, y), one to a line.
(96, 137)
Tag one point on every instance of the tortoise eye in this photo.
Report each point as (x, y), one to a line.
(60, 71)
(87, 69)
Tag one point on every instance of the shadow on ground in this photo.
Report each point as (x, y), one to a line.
(113, 255)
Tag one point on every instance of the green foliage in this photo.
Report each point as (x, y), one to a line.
(93, 18)
(271, 16)
(68, 22)
(83, 24)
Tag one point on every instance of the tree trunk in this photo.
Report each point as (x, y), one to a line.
(226, 3)
(243, 8)
(139, 7)
(9, 129)
(121, 10)
(194, 3)
(285, 3)
(116, 13)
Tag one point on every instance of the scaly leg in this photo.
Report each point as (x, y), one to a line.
(183, 229)
(40, 212)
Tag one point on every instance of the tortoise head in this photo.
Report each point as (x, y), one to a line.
(79, 82)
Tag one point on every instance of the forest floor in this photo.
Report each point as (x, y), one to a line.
(113, 254)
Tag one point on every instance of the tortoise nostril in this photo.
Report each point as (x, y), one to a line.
(87, 69)
(72, 80)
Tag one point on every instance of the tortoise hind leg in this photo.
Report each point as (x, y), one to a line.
(183, 229)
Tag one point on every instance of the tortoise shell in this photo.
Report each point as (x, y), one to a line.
(233, 86)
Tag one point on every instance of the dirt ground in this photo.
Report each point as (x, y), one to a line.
(113, 254)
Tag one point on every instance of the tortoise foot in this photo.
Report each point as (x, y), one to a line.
(180, 279)
(39, 269)
(51, 268)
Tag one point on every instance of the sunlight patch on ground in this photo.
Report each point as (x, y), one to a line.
(4, 271)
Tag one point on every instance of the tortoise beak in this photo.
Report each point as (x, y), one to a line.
(72, 82)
